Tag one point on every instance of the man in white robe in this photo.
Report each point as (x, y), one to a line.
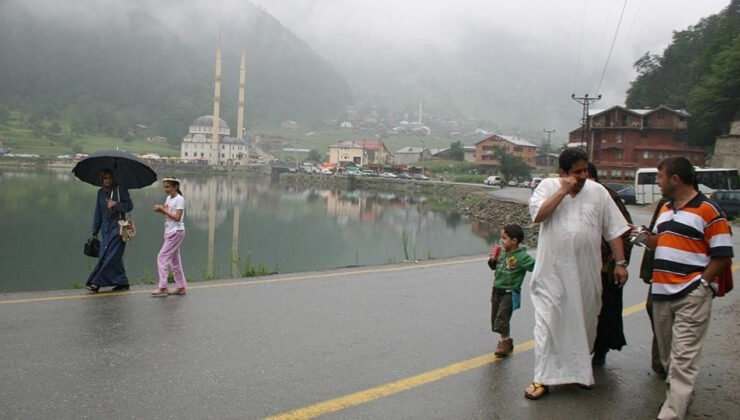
(575, 213)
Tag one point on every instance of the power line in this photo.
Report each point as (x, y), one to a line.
(585, 123)
(611, 48)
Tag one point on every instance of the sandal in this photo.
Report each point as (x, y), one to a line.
(159, 293)
(536, 390)
(93, 288)
(178, 291)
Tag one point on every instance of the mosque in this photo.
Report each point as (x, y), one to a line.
(209, 137)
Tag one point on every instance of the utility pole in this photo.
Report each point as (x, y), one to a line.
(547, 148)
(586, 101)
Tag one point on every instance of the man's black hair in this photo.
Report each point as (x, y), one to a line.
(678, 165)
(514, 232)
(570, 157)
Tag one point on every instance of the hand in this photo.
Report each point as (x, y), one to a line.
(620, 275)
(158, 208)
(495, 252)
(111, 204)
(568, 183)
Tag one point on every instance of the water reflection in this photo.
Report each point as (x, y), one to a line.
(231, 221)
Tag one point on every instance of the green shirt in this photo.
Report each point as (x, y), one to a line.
(511, 268)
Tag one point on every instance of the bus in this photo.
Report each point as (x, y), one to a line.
(709, 179)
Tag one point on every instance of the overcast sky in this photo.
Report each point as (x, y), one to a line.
(565, 42)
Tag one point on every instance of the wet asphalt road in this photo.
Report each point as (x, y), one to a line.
(257, 348)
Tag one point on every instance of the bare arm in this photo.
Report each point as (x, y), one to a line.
(620, 271)
(715, 267)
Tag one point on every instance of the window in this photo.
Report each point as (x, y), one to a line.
(616, 173)
(186, 154)
(646, 155)
(518, 149)
(618, 155)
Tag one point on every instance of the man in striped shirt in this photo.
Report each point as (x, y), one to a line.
(693, 245)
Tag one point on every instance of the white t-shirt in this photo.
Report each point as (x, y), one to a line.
(173, 204)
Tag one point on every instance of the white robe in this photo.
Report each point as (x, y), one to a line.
(566, 283)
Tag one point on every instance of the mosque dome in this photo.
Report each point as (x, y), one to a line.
(207, 121)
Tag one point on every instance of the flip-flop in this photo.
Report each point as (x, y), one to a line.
(538, 391)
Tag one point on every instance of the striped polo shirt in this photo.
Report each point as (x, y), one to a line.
(688, 238)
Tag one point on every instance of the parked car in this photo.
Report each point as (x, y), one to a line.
(729, 200)
(523, 184)
(369, 173)
(493, 180)
(326, 171)
(388, 175)
(626, 192)
(404, 175)
(421, 177)
(511, 183)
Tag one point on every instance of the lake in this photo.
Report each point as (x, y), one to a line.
(233, 223)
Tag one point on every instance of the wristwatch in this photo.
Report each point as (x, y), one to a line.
(623, 263)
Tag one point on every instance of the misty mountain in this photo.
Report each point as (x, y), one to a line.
(105, 65)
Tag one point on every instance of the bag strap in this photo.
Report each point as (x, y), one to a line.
(121, 215)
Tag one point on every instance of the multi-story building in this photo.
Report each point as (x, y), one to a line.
(622, 140)
(198, 145)
(360, 152)
(485, 150)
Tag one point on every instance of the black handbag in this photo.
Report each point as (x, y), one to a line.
(92, 247)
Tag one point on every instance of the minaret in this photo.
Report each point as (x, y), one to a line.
(419, 111)
(216, 108)
(240, 111)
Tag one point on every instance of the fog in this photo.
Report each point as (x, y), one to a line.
(512, 65)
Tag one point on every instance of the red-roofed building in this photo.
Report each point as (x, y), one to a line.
(623, 140)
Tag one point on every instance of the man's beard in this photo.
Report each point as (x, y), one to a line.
(578, 187)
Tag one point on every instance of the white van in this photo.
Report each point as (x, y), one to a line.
(493, 180)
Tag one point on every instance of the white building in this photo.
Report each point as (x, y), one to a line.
(198, 143)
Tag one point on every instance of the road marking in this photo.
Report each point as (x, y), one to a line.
(326, 275)
(361, 397)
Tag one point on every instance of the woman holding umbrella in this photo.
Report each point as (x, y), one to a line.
(113, 201)
(115, 172)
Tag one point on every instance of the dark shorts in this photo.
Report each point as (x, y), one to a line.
(501, 310)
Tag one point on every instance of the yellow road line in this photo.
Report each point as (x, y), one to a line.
(254, 282)
(367, 395)
(391, 388)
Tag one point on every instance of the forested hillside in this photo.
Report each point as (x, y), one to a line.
(102, 67)
(699, 72)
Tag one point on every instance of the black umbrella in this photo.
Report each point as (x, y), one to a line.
(128, 170)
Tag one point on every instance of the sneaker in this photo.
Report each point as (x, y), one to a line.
(159, 293)
(505, 347)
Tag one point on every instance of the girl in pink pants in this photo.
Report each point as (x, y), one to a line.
(174, 232)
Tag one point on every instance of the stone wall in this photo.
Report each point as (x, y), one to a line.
(727, 149)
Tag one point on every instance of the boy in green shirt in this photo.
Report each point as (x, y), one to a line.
(511, 264)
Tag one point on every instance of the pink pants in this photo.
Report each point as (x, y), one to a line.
(169, 257)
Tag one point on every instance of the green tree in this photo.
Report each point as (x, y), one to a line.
(315, 156)
(510, 166)
(457, 152)
(715, 101)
